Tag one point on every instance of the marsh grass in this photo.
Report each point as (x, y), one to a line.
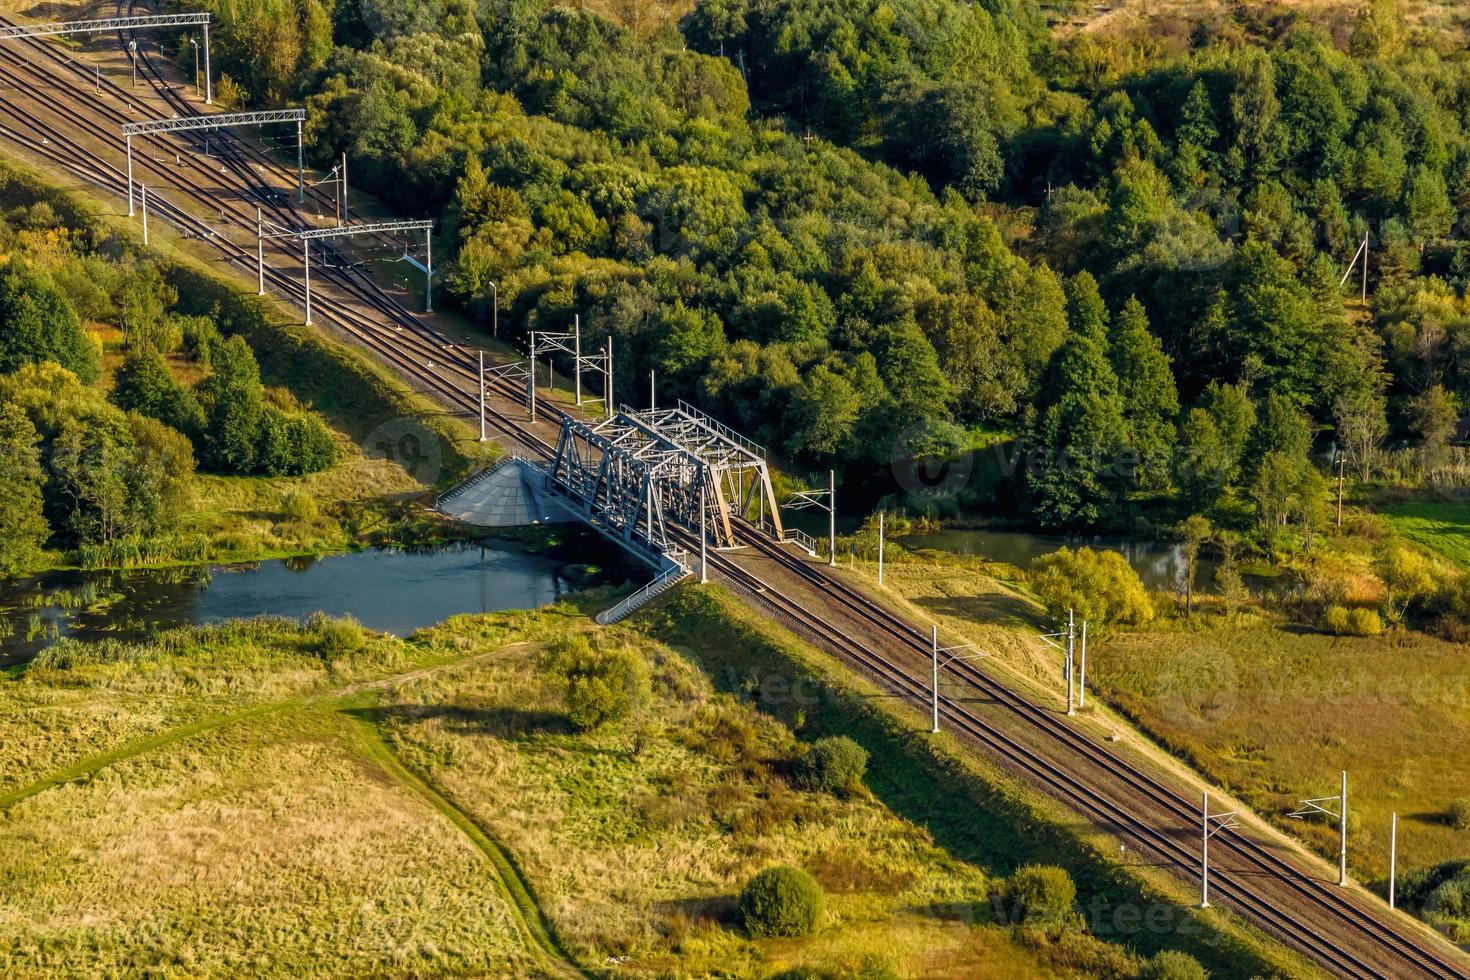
(1279, 712)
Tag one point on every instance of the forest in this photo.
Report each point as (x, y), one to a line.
(111, 396)
(866, 231)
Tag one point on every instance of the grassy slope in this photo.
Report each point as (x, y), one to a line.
(1440, 525)
(242, 799)
(973, 811)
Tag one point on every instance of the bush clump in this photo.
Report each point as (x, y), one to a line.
(1170, 964)
(1460, 813)
(1100, 585)
(781, 901)
(831, 765)
(1352, 622)
(297, 505)
(336, 637)
(1039, 895)
(600, 686)
(1364, 622)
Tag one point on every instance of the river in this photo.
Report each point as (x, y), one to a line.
(389, 591)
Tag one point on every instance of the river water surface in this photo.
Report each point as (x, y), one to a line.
(389, 591)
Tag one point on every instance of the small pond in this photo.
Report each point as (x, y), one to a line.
(1160, 564)
(389, 591)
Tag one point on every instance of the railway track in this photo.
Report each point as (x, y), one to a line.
(424, 355)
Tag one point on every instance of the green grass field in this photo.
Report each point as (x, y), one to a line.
(1441, 526)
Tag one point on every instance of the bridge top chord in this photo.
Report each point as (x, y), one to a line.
(107, 24)
(214, 121)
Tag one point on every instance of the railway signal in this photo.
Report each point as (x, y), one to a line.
(1210, 826)
(1321, 805)
(956, 654)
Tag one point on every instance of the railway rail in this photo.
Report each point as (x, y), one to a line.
(1270, 890)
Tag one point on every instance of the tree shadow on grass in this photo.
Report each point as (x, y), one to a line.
(501, 721)
(997, 609)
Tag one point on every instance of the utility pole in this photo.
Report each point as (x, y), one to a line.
(956, 654)
(494, 311)
(1223, 821)
(1071, 660)
(577, 354)
(1341, 481)
(133, 56)
(345, 213)
(531, 362)
(130, 175)
(831, 517)
(429, 269)
(481, 376)
(1050, 639)
(306, 274)
(1082, 671)
(934, 646)
(880, 547)
(652, 391)
(259, 254)
(1343, 821)
(703, 535)
(1393, 858)
(198, 89)
(144, 191)
(1320, 806)
(300, 166)
(609, 398)
(208, 74)
(1365, 267)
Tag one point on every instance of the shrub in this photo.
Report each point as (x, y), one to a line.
(336, 637)
(1040, 895)
(1100, 585)
(600, 686)
(781, 901)
(1364, 622)
(1460, 813)
(1336, 620)
(831, 765)
(297, 505)
(1170, 964)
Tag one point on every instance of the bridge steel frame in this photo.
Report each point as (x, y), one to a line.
(637, 473)
(740, 476)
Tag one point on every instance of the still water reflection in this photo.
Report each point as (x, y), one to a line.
(389, 591)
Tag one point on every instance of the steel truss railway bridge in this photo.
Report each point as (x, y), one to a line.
(670, 481)
(635, 474)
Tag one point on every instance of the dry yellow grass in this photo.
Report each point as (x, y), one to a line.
(266, 849)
